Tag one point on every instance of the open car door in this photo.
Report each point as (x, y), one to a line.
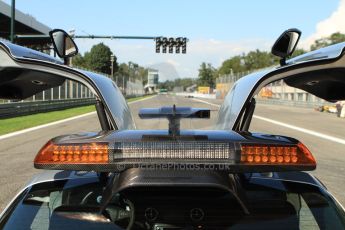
(321, 73)
(25, 72)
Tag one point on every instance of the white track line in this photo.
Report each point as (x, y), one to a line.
(307, 131)
(57, 122)
(303, 130)
(206, 102)
(146, 98)
(44, 126)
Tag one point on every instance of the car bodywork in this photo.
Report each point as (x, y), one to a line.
(320, 72)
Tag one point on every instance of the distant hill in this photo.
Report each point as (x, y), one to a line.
(166, 71)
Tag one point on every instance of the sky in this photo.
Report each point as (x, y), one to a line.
(216, 29)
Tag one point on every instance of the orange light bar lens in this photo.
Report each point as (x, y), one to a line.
(73, 154)
(265, 154)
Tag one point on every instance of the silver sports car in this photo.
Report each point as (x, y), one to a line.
(125, 178)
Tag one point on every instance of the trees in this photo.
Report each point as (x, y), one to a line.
(142, 74)
(79, 61)
(98, 59)
(207, 75)
(169, 85)
(122, 74)
(232, 65)
(247, 62)
(298, 52)
(333, 39)
(258, 59)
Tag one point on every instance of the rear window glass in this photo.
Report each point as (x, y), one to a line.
(271, 204)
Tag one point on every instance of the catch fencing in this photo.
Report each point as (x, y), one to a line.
(278, 93)
(225, 82)
(69, 95)
(15, 109)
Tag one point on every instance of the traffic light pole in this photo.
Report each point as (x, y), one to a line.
(114, 37)
(13, 15)
(162, 43)
(88, 37)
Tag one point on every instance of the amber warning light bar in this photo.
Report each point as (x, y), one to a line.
(230, 156)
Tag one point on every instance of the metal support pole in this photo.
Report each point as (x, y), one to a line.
(59, 92)
(13, 15)
(123, 85)
(66, 89)
(142, 85)
(77, 90)
(282, 90)
(112, 60)
(71, 89)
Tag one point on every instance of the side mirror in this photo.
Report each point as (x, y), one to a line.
(286, 44)
(63, 44)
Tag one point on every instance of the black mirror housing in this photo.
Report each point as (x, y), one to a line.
(286, 44)
(63, 44)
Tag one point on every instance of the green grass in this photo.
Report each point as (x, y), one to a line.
(18, 123)
(137, 98)
(9, 125)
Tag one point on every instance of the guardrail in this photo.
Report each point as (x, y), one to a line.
(304, 104)
(15, 109)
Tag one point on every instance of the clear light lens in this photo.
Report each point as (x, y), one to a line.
(174, 150)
